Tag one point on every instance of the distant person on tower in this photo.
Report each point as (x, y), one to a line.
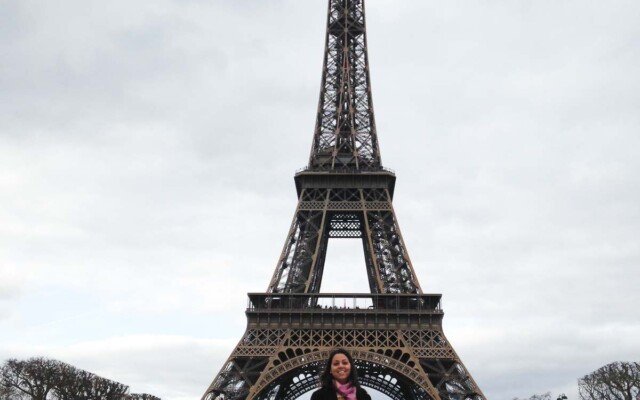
(339, 380)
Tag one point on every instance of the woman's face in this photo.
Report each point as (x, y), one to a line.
(340, 368)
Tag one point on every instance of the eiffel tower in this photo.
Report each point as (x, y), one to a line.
(394, 332)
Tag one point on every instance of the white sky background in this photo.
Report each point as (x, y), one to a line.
(147, 151)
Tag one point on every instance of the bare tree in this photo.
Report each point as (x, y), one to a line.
(142, 396)
(44, 379)
(105, 389)
(545, 396)
(615, 381)
(76, 384)
(72, 383)
(8, 393)
(34, 379)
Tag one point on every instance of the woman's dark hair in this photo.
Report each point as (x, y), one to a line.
(326, 380)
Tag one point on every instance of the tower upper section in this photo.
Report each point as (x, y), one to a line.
(345, 137)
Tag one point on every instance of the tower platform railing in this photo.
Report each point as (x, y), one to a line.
(354, 302)
(343, 170)
(344, 311)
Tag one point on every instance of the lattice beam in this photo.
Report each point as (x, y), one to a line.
(345, 134)
(325, 213)
(396, 339)
(267, 362)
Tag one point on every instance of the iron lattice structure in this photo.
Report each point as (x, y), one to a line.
(394, 332)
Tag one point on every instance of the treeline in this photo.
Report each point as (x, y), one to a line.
(616, 381)
(45, 379)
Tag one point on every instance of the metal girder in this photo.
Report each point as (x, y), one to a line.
(396, 340)
(395, 332)
(324, 213)
(293, 369)
(345, 134)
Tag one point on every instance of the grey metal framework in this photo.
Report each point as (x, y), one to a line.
(395, 331)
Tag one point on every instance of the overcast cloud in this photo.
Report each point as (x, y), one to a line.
(147, 151)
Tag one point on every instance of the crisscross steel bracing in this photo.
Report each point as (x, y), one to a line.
(394, 332)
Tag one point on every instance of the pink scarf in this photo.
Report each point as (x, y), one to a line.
(348, 391)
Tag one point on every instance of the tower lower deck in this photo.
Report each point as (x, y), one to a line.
(396, 341)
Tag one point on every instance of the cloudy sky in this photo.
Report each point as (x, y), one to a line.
(147, 150)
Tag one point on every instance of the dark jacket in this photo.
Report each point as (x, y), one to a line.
(330, 394)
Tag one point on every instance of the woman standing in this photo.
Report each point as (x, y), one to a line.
(339, 380)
